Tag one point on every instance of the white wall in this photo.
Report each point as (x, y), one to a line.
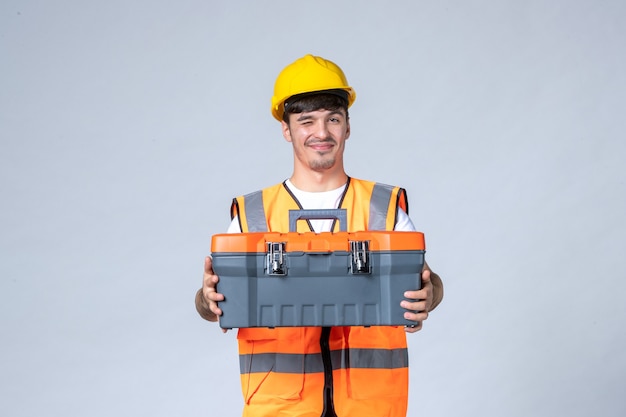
(127, 127)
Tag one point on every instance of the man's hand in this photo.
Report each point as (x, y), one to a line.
(426, 299)
(208, 297)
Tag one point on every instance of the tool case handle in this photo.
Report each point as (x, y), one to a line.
(340, 215)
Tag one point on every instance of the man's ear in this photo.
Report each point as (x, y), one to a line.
(286, 132)
(348, 129)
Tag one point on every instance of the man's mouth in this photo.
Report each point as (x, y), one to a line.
(323, 145)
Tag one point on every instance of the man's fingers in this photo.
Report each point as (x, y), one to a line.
(414, 328)
(211, 295)
(212, 298)
(208, 266)
(416, 295)
(416, 315)
(413, 305)
(209, 287)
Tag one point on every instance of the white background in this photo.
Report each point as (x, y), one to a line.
(127, 127)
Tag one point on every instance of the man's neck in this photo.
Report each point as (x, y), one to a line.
(315, 182)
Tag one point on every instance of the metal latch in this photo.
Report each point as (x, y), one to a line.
(275, 258)
(360, 257)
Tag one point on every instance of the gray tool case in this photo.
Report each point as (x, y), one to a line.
(316, 279)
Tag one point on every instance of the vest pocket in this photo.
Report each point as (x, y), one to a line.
(376, 363)
(268, 373)
(370, 384)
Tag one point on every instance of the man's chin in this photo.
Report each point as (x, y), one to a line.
(321, 166)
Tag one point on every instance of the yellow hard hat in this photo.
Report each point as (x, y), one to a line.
(306, 75)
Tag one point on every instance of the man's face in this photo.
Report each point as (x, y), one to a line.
(318, 138)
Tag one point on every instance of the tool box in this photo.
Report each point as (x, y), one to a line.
(316, 279)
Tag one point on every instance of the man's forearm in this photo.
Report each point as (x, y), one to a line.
(437, 290)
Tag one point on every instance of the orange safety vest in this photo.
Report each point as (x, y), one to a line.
(323, 371)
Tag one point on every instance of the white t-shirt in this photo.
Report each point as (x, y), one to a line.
(326, 200)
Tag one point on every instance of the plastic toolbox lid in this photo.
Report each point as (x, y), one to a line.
(316, 242)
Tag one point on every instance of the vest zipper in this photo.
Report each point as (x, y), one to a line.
(329, 407)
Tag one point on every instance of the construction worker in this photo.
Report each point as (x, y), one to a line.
(322, 371)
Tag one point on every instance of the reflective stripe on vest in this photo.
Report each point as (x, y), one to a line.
(255, 213)
(312, 363)
(379, 206)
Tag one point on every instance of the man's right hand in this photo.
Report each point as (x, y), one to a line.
(208, 297)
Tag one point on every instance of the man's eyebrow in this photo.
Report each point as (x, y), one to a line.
(304, 116)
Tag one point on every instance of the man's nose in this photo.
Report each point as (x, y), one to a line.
(321, 129)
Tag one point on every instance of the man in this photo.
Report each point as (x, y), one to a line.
(313, 371)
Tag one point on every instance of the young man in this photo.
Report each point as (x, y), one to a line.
(315, 371)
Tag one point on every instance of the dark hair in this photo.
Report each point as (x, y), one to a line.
(327, 100)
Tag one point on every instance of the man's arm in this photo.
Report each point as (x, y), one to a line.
(437, 290)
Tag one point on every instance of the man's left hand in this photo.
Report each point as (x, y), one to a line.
(422, 304)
